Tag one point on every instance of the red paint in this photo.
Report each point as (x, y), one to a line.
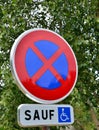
(29, 83)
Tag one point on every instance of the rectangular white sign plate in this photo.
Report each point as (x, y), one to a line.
(49, 115)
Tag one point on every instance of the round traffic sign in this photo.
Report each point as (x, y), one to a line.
(43, 65)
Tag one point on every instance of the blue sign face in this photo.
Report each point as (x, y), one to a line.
(33, 64)
(64, 114)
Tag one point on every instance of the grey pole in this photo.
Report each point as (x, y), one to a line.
(45, 128)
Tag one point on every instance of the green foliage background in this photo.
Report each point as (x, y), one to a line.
(77, 21)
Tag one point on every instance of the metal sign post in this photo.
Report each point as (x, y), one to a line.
(45, 128)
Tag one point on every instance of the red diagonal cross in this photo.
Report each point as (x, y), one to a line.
(47, 64)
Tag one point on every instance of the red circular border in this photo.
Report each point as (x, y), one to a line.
(20, 68)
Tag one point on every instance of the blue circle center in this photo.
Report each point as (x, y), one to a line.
(33, 63)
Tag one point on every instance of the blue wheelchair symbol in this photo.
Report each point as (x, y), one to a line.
(64, 114)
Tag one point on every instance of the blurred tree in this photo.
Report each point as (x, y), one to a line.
(77, 22)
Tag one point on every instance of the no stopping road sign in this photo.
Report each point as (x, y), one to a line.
(44, 65)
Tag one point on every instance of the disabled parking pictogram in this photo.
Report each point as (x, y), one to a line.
(64, 114)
